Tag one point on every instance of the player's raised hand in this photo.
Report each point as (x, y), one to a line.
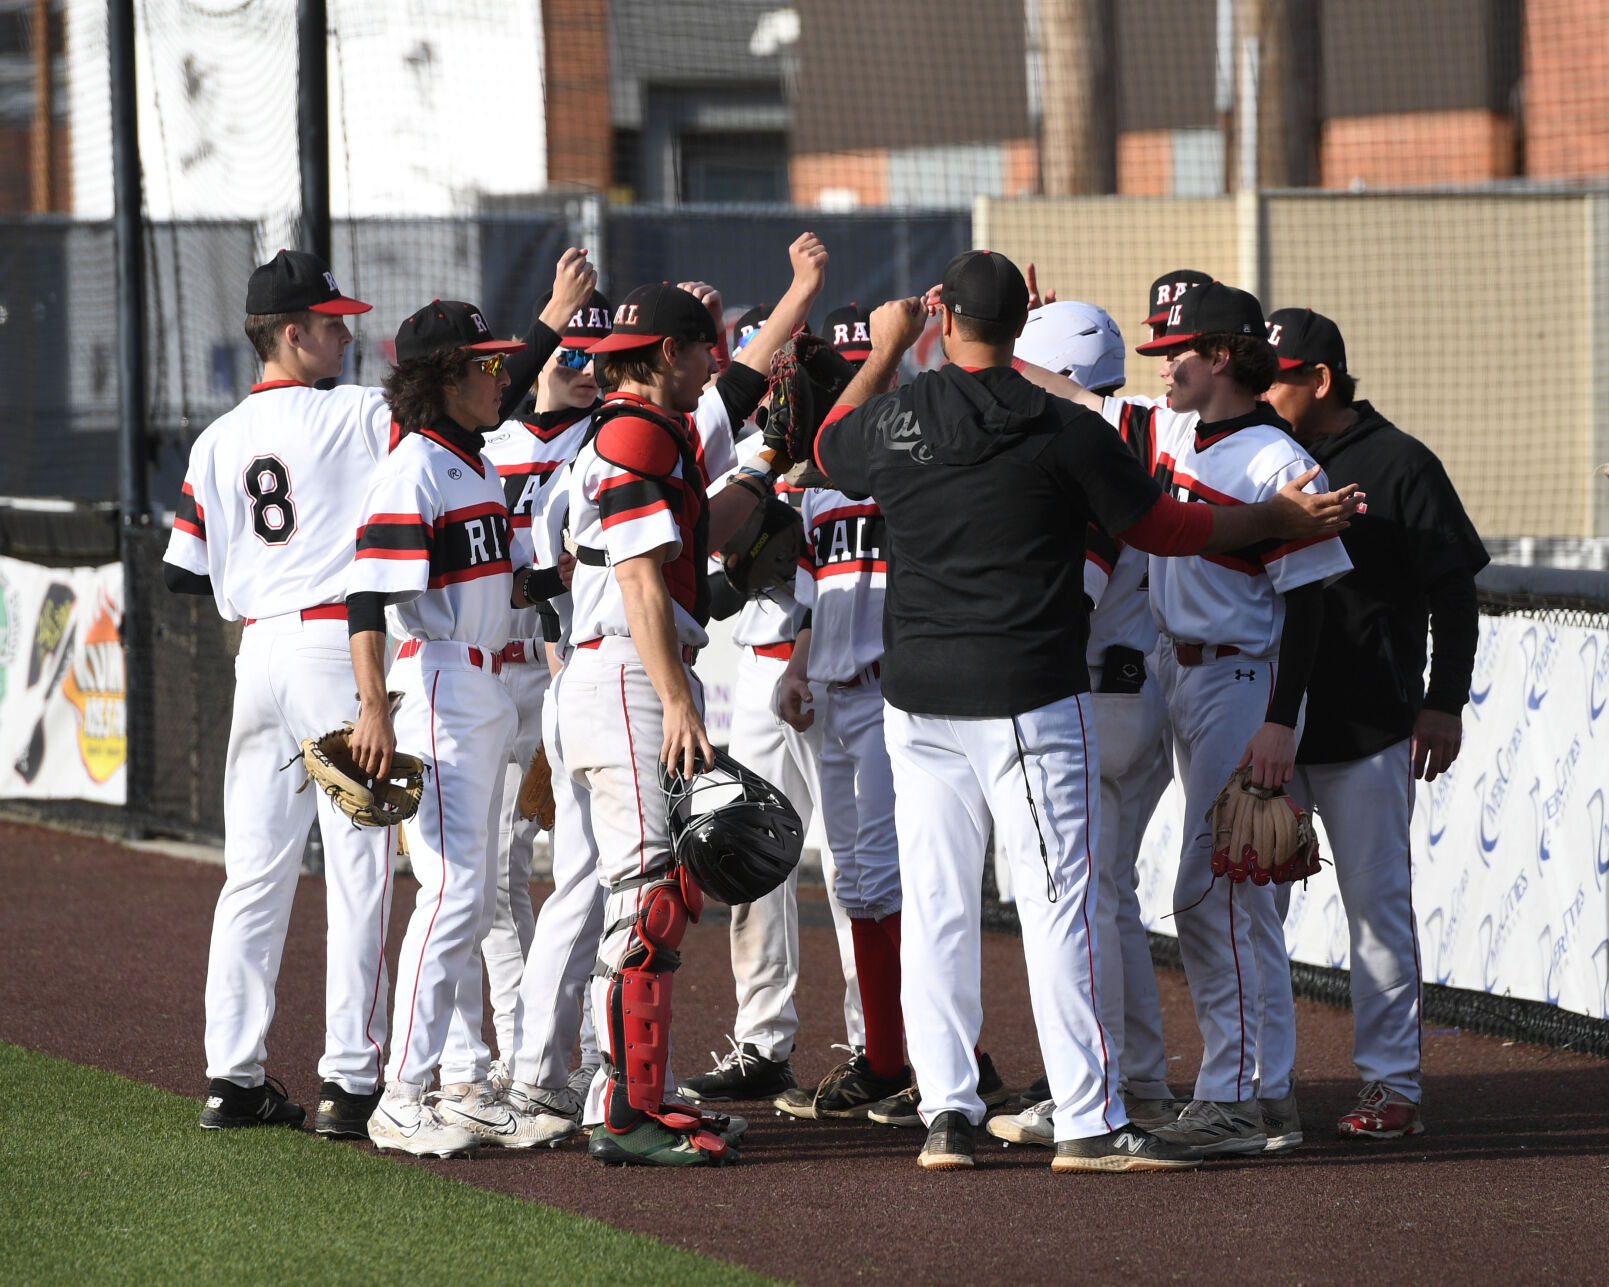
(1271, 754)
(898, 324)
(1302, 514)
(574, 280)
(809, 259)
(930, 299)
(793, 695)
(1034, 300)
(706, 295)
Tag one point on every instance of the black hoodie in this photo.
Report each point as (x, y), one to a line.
(987, 485)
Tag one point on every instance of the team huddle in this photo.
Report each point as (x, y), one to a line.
(997, 604)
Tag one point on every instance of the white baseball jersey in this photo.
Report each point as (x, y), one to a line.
(628, 495)
(548, 526)
(1117, 581)
(844, 541)
(273, 494)
(435, 540)
(716, 444)
(1231, 599)
(772, 617)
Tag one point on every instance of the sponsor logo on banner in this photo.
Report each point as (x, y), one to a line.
(54, 614)
(1491, 789)
(1540, 648)
(95, 688)
(1441, 929)
(1336, 935)
(10, 628)
(1440, 792)
(1600, 836)
(1600, 958)
(1549, 809)
(1595, 668)
(1486, 652)
(1495, 930)
(1556, 947)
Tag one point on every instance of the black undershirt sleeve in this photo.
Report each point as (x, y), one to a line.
(183, 581)
(522, 367)
(1454, 632)
(724, 600)
(740, 388)
(365, 611)
(1298, 646)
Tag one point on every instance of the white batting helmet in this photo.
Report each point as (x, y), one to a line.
(1074, 339)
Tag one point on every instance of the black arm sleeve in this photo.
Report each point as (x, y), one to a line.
(1454, 632)
(544, 584)
(552, 629)
(183, 581)
(740, 388)
(365, 611)
(540, 342)
(724, 600)
(1298, 646)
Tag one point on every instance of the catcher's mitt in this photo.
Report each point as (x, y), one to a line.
(536, 791)
(1259, 834)
(764, 552)
(369, 802)
(807, 376)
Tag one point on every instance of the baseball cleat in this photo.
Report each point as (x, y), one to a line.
(1282, 1123)
(229, 1106)
(949, 1144)
(500, 1076)
(1036, 1093)
(580, 1083)
(991, 1089)
(652, 1143)
(410, 1126)
(1380, 1114)
(1126, 1149)
(498, 1121)
(850, 1090)
(344, 1114)
(1031, 1126)
(742, 1073)
(898, 1110)
(1217, 1129)
(1150, 1114)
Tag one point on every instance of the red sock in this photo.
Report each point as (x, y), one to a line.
(877, 964)
(890, 926)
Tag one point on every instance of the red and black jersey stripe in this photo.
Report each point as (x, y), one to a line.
(470, 543)
(522, 483)
(1136, 425)
(190, 517)
(395, 536)
(627, 496)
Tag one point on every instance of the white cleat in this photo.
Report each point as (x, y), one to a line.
(414, 1127)
(1031, 1126)
(501, 1121)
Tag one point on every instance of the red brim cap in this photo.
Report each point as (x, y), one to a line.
(1290, 364)
(494, 346)
(1159, 318)
(340, 305)
(1163, 343)
(623, 340)
(586, 343)
(857, 354)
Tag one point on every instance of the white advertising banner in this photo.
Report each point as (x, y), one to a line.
(1510, 849)
(62, 713)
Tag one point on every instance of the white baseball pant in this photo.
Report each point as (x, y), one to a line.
(765, 933)
(1230, 935)
(1134, 773)
(859, 781)
(568, 928)
(1035, 775)
(1367, 806)
(459, 719)
(293, 679)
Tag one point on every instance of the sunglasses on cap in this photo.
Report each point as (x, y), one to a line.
(491, 365)
(572, 359)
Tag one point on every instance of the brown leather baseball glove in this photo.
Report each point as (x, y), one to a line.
(1259, 834)
(536, 791)
(369, 802)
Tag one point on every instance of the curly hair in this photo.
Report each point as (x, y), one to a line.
(414, 389)
(1253, 364)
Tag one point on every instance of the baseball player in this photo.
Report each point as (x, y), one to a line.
(1372, 724)
(1238, 634)
(628, 700)
(265, 527)
(987, 487)
(437, 557)
(527, 451)
(1082, 342)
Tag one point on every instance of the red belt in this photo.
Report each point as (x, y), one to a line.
(1195, 654)
(477, 657)
(782, 651)
(689, 653)
(325, 612)
(874, 671)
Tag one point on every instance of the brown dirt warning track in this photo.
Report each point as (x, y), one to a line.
(103, 958)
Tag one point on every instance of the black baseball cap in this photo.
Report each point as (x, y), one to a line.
(294, 280)
(658, 312)
(449, 324)
(985, 286)
(849, 330)
(1213, 309)
(587, 325)
(1302, 337)
(748, 326)
(1168, 289)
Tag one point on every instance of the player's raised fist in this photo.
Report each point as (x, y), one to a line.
(573, 283)
(897, 324)
(809, 259)
(706, 295)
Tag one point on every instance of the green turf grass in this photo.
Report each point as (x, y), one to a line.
(104, 1180)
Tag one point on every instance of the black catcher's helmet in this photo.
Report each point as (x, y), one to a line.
(736, 834)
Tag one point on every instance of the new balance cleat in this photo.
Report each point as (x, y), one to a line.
(344, 1115)
(1152, 1114)
(1126, 1149)
(228, 1106)
(850, 1090)
(949, 1144)
(742, 1073)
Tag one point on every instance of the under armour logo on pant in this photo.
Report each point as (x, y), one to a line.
(1245, 674)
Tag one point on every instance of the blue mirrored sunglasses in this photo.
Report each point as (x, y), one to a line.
(574, 359)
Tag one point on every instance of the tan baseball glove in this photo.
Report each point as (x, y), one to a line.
(369, 802)
(1259, 834)
(764, 551)
(536, 791)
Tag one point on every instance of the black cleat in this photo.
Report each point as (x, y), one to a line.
(1037, 1093)
(229, 1106)
(949, 1144)
(1126, 1149)
(742, 1074)
(344, 1115)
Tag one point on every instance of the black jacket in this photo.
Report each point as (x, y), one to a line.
(987, 485)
